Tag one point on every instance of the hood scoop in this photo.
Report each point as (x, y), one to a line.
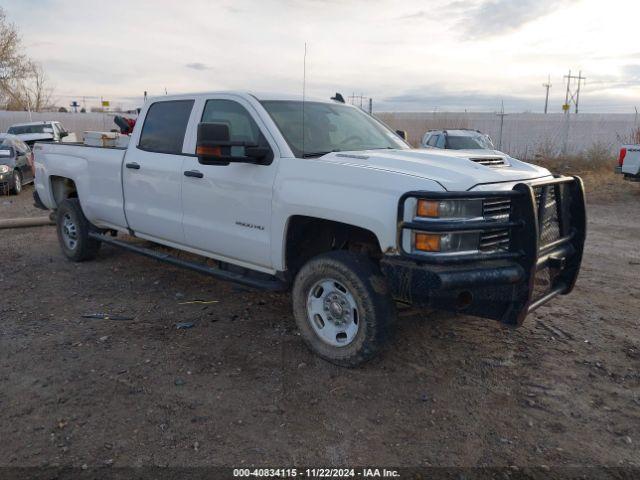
(493, 162)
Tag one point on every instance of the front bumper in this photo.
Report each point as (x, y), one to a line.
(539, 263)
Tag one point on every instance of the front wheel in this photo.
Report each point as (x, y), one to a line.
(16, 184)
(73, 232)
(343, 308)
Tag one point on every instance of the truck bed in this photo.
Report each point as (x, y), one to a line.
(96, 171)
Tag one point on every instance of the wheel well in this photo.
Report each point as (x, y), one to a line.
(63, 188)
(309, 236)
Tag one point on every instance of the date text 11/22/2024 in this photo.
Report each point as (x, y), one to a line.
(316, 473)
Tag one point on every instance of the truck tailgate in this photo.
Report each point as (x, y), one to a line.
(631, 164)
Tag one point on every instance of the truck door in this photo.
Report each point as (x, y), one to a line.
(23, 160)
(152, 173)
(227, 209)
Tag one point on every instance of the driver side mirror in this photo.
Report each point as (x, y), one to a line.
(64, 134)
(214, 147)
(402, 134)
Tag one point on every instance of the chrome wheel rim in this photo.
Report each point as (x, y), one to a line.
(17, 183)
(333, 312)
(69, 232)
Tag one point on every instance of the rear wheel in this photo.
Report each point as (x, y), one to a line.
(342, 307)
(73, 232)
(16, 184)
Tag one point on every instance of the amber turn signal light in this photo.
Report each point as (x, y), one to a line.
(427, 242)
(428, 208)
(202, 150)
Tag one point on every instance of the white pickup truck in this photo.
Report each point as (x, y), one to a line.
(323, 199)
(629, 162)
(33, 132)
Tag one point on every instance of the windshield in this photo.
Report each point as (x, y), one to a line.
(480, 142)
(22, 129)
(329, 128)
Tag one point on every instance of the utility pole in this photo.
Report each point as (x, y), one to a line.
(501, 115)
(571, 96)
(546, 100)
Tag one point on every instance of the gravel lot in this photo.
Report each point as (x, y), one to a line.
(240, 388)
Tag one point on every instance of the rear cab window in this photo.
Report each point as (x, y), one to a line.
(164, 126)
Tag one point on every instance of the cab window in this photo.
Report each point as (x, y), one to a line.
(165, 125)
(433, 140)
(242, 127)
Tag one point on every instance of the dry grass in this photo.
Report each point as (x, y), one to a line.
(595, 166)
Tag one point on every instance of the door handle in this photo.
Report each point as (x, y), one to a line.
(193, 173)
(133, 165)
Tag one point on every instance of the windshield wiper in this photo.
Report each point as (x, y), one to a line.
(317, 154)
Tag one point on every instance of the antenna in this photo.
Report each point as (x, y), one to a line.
(304, 87)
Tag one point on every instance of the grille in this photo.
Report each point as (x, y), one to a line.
(549, 223)
(497, 209)
(494, 241)
(490, 162)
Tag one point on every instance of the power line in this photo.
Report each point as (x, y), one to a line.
(501, 115)
(546, 100)
(572, 96)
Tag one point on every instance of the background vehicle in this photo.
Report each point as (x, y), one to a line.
(629, 162)
(16, 164)
(338, 208)
(460, 139)
(33, 132)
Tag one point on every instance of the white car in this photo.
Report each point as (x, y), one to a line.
(33, 132)
(336, 208)
(629, 162)
(458, 139)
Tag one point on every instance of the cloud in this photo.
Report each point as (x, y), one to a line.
(434, 97)
(496, 17)
(197, 66)
(419, 15)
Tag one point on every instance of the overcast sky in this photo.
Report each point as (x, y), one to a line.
(408, 55)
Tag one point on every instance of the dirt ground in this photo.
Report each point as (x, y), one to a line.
(240, 388)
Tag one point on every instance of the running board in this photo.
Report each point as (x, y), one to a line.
(269, 282)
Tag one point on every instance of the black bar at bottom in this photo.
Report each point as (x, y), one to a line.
(267, 283)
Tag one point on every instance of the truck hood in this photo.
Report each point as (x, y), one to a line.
(453, 169)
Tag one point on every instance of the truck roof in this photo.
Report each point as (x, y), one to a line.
(245, 94)
(26, 124)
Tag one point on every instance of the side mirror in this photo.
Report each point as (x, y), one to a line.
(214, 147)
(402, 134)
(64, 134)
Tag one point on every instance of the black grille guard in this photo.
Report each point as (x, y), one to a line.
(562, 257)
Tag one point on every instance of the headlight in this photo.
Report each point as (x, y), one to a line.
(446, 242)
(4, 169)
(449, 209)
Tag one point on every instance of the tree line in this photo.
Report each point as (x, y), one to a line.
(23, 83)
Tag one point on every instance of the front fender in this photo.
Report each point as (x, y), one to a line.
(354, 195)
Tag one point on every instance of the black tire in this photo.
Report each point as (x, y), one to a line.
(83, 247)
(16, 183)
(366, 285)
